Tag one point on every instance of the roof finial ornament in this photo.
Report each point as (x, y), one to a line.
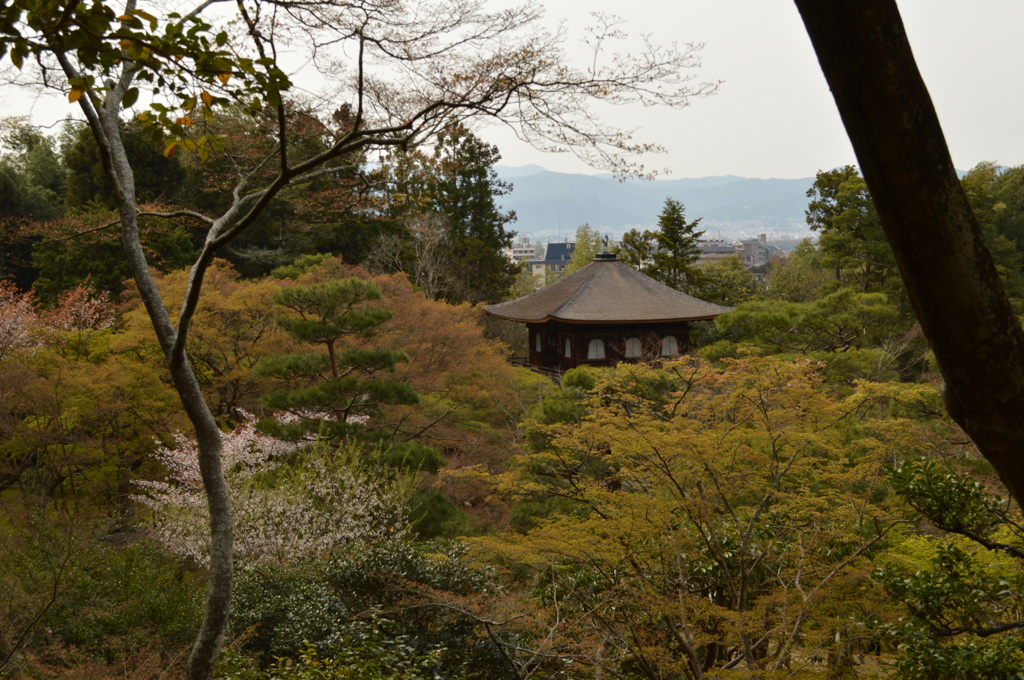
(605, 255)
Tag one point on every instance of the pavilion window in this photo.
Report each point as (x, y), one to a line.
(596, 349)
(536, 342)
(633, 348)
(568, 348)
(669, 346)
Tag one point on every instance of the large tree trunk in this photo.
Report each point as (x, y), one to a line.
(948, 270)
(105, 124)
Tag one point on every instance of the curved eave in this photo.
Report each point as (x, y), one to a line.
(605, 322)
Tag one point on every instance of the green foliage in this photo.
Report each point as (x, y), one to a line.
(726, 282)
(852, 241)
(954, 503)
(676, 251)
(581, 378)
(920, 658)
(375, 611)
(801, 277)
(965, 608)
(434, 516)
(371, 654)
(636, 249)
(411, 455)
(133, 591)
(964, 589)
(103, 600)
(158, 178)
(588, 244)
(301, 265)
(564, 405)
(997, 197)
(32, 178)
(332, 394)
(838, 322)
(95, 258)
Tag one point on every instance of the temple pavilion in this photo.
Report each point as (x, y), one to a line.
(604, 313)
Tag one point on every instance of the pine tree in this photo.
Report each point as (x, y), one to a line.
(467, 186)
(333, 393)
(456, 187)
(677, 250)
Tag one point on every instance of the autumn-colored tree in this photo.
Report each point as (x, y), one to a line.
(80, 417)
(233, 329)
(470, 398)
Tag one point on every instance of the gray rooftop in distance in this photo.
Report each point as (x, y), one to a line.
(606, 291)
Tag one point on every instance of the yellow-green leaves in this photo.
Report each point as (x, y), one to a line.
(722, 502)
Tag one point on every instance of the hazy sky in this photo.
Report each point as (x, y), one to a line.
(773, 115)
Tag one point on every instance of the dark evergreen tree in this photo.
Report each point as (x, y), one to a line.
(467, 185)
(675, 259)
(852, 241)
(32, 184)
(636, 248)
(32, 180)
(157, 177)
(332, 392)
(459, 184)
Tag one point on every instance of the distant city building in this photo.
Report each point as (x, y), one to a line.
(525, 250)
(713, 250)
(753, 252)
(554, 260)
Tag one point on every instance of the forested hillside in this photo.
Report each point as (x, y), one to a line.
(254, 426)
(788, 500)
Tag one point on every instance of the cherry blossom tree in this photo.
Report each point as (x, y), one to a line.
(322, 505)
(17, 318)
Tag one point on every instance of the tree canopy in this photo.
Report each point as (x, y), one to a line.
(403, 72)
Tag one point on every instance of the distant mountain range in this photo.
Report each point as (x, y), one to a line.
(550, 205)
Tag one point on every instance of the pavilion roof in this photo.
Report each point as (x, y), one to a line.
(606, 291)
